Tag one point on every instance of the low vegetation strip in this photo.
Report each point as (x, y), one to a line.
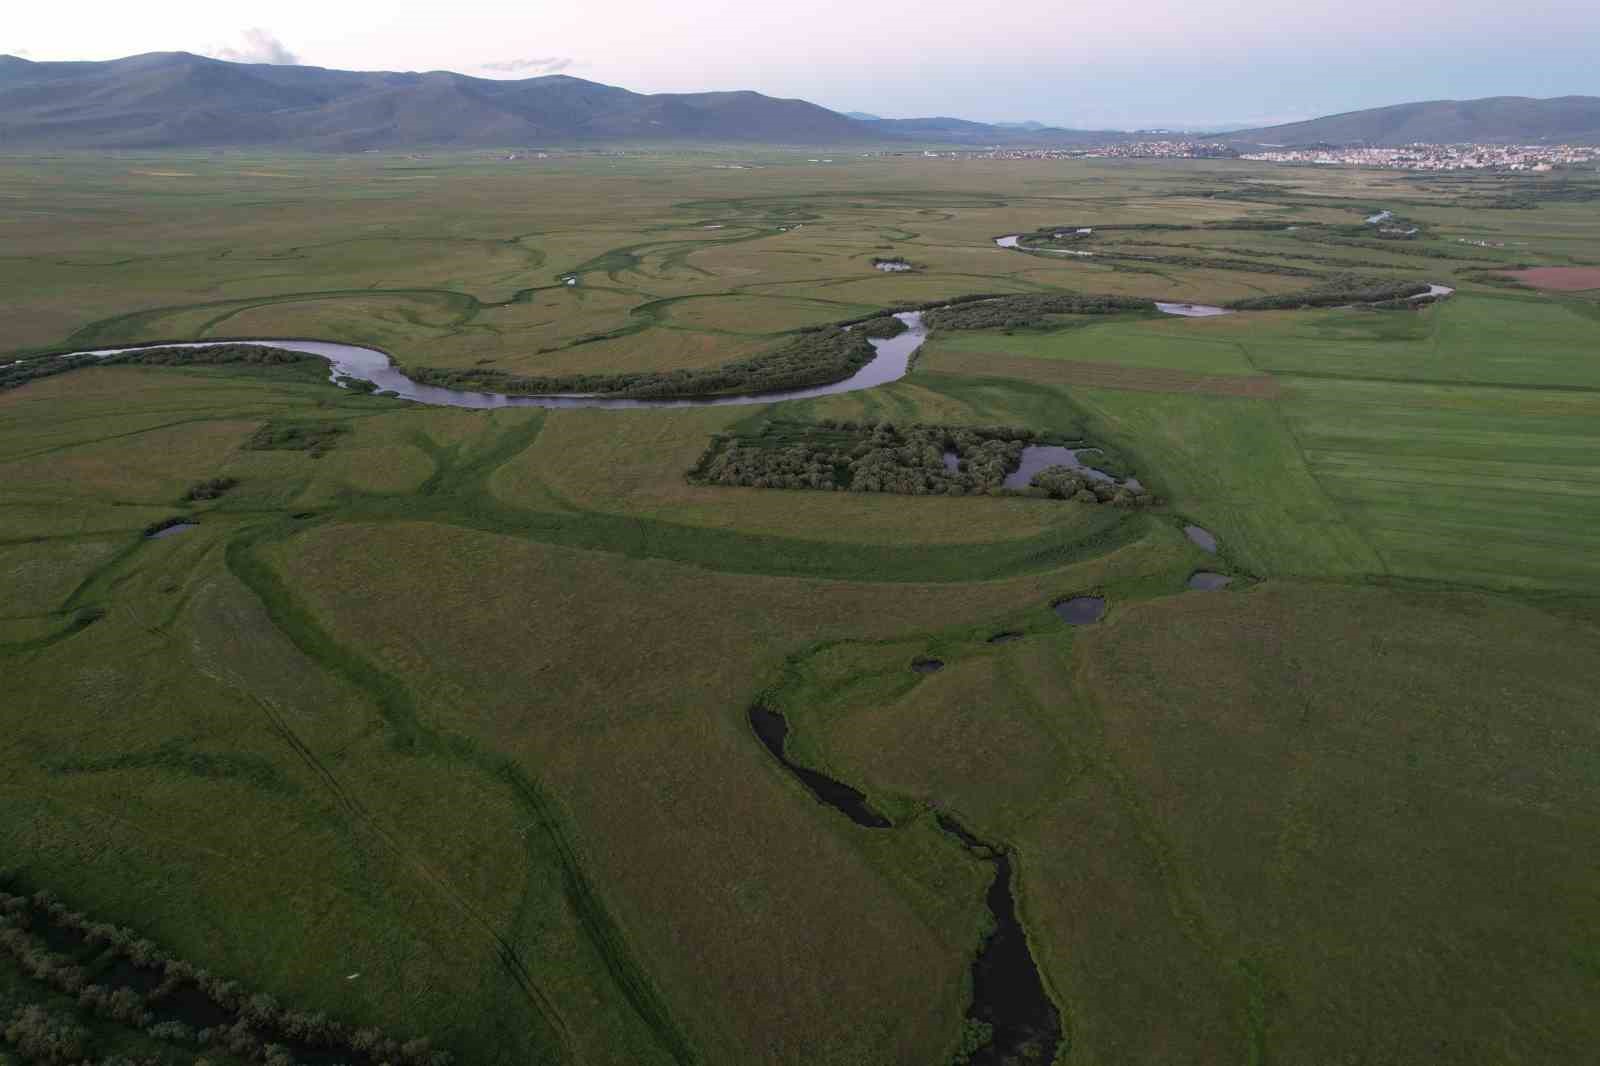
(819, 357)
(23, 371)
(128, 983)
(1103, 375)
(1338, 291)
(1031, 310)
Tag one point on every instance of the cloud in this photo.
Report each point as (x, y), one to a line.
(20, 53)
(545, 65)
(258, 46)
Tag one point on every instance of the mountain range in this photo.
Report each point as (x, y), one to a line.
(1492, 120)
(179, 100)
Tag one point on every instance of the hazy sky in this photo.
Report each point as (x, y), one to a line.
(1195, 62)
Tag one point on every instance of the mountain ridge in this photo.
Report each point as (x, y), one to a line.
(179, 100)
(1487, 120)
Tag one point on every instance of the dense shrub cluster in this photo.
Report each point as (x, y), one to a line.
(1067, 483)
(140, 989)
(315, 437)
(210, 488)
(1029, 310)
(44, 1036)
(1337, 291)
(880, 328)
(914, 460)
(818, 357)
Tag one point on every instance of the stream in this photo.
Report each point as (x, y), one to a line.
(1008, 994)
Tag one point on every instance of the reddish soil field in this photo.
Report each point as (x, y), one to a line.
(1561, 279)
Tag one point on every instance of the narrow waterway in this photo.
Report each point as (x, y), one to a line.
(1008, 994)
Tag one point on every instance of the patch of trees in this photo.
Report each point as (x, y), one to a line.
(912, 460)
(21, 372)
(1337, 291)
(1029, 310)
(880, 328)
(817, 357)
(209, 489)
(317, 438)
(115, 975)
(1071, 483)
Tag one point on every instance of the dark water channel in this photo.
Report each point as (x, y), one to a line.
(773, 729)
(1081, 610)
(927, 666)
(1037, 457)
(1007, 992)
(892, 362)
(172, 530)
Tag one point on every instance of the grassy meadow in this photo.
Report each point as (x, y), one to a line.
(441, 727)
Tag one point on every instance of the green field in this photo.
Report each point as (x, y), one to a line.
(441, 726)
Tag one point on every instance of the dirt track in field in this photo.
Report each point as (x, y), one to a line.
(1559, 279)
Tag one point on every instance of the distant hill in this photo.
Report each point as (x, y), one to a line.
(1493, 120)
(962, 131)
(178, 100)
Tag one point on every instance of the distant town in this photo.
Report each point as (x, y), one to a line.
(1538, 158)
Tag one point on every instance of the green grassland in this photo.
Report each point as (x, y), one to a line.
(441, 726)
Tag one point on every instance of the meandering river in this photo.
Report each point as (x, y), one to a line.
(892, 362)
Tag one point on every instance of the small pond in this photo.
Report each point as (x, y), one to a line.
(927, 666)
(1037, 457)
(1203, 539)
(172, 530)
(1081, 610)
(1191, 310)
(1207, 581)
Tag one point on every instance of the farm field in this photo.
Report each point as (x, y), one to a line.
(439, 720)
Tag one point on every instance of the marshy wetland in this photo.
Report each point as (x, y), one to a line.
(550, 733)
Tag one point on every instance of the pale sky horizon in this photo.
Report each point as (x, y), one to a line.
(1158, 63)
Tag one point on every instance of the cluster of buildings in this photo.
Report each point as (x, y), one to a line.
(1535, 157)
(1163, 149)
(1524, 157)
(1132, 150)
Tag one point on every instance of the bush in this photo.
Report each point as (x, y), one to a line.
(317, 438)
(42, 1036)
(209, 489)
